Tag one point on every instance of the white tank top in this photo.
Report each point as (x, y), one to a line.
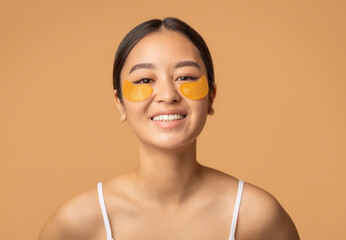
(234, 218)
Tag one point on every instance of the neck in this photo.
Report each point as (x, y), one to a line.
(166, 176)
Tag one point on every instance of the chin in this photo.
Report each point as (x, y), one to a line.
(173, 147)
(167, 143)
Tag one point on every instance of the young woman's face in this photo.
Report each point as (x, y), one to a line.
(156, 68)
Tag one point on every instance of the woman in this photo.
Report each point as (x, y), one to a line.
(164, 88)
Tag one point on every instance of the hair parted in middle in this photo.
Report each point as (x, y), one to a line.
(156, 25)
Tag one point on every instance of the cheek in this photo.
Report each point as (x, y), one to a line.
(135, 110)
(199, 109)
(195, 90)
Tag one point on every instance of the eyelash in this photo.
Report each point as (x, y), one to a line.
(187, 78)
(148, 80)
(141, 81)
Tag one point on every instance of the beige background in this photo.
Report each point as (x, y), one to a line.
(280, 109)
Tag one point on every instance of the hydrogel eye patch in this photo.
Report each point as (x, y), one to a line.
(136, 92)
(195, 90)
(140, 92)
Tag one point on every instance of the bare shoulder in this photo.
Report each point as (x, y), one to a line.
(262, 217)
(77, 218)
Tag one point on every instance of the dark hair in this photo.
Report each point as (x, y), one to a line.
(156, 25)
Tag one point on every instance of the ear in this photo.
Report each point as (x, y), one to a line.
(211, 100)
(120, 107)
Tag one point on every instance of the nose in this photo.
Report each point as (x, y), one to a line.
(167, 92)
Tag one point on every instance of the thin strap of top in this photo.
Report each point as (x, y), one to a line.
(236, 209)
(234, 219)
(104, 211)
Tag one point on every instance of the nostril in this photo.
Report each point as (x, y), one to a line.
(168, 97)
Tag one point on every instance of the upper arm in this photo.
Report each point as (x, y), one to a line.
(277, 224)
(62, 225)
(264, 217)
(76, 219)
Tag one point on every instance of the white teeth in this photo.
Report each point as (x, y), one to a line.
(170, 117)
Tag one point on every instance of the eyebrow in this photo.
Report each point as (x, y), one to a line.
(142, 65)
(187, 64)
(152, 66)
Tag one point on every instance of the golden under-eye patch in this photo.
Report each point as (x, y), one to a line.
(140, 92)
(136, 92)
(195, 90)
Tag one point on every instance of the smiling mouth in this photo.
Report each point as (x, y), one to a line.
(168, 117)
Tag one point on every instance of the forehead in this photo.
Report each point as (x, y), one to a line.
(163, 48)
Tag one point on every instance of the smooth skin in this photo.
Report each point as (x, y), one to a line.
(169, 195)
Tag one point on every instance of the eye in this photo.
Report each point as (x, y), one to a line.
(144, 81)
(186, 78)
